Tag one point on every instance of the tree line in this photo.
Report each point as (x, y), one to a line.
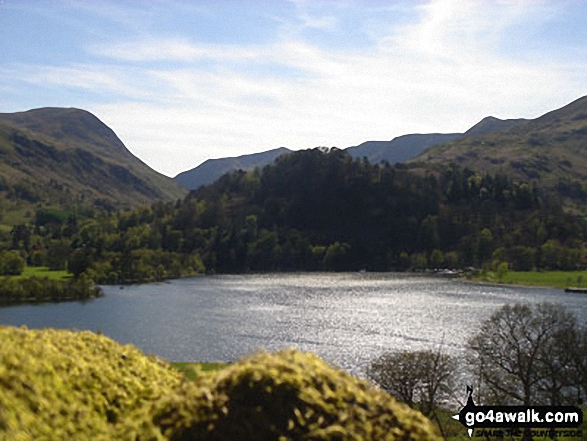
(43, 289)
(312, 211)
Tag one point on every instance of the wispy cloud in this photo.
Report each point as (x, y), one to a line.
(180, 101)
(174, 50)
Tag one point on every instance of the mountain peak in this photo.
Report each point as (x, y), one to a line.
(70, 149)
(69, 126)
(547, 150)
(491, 124)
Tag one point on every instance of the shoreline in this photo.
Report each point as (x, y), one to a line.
(506, 284)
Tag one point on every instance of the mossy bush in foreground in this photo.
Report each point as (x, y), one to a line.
(284, 396)
(63, 385)
(57, 385)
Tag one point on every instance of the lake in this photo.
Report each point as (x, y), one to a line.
(348, 319)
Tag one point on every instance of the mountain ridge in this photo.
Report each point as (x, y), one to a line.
(549, 150)
(73, 152)
(398, 150)
(212, 169)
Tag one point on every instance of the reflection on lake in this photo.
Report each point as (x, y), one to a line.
(348, 319)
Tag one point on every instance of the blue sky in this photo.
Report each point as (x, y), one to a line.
(181, 82)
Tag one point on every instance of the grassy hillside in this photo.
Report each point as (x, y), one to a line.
(56, 155)
(550, 150)
(491, 124)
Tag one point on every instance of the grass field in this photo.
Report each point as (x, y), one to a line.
(192, 370)
(43, 271)
(555, 279)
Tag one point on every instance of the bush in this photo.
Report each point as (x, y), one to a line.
(66, 385)
(59, 385)
(283, 396)
(37, 289)
(11, 263)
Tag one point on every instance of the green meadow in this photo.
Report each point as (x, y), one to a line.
(192, 369)
(555, 279)
(43, 271)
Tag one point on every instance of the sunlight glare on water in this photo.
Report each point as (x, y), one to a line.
(349, 319)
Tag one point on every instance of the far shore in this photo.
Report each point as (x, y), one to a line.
(537, 279)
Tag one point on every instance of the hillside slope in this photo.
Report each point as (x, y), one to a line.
(212, 169)
(547, 150)
(400, 149)
(69, 153)
(491, 124)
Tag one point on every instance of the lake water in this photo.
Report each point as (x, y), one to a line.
(348, 319)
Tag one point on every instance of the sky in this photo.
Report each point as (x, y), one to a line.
(181, 82)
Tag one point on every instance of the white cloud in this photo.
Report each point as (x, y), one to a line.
(175, 50)
(440, 73)
(90, 77)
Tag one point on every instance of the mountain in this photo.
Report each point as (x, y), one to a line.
(399, 149)
(212, 169)
(53, 154)
(491, 124)
(548, 150)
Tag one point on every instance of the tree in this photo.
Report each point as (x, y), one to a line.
(57, 254)
(502, 269)
(436, 259)
(79, 260)
(421, 379)
(579, 358)
(336, 257)
(522, 258)
(11, 263)
(522, 353)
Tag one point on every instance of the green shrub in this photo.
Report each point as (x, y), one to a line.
(57, 385)
(62, 385)
(283, 396)
(11, 263)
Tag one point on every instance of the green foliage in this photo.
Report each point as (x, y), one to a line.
(79, 261)
(57, 254)
(11, 263)
(313, 211)
(36, 289)
(193, 370)
(285, 396)
(547, 152)
(51, 216)
(502, 269)
(58, 385)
